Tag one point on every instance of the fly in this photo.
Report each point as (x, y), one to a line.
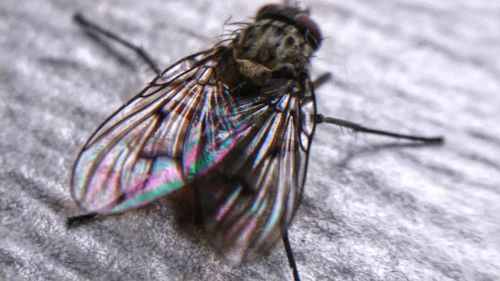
(229, 128)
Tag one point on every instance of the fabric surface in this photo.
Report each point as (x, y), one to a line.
(373, 209)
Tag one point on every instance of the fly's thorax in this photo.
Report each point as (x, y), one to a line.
(269, 49)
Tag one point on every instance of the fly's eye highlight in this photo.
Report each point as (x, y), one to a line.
(313, 33)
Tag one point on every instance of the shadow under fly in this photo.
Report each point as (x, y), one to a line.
(231, 126)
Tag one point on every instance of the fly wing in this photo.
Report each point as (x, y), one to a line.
(176, 129)
(246, 155)
(255, 194)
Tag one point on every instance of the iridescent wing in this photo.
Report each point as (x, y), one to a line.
(246, 155)
(176, 129)
(254, 194)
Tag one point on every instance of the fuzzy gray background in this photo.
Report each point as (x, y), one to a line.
(374, 208)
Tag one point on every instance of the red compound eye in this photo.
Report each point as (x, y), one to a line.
(312, 28)
(269, 9)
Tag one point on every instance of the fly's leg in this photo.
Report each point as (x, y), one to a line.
(94, 28)
(81, 219)
(289, 255)
(322, 79)
(319, 118)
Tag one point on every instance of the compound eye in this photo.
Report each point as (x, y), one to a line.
(269, 9)
(313, 31)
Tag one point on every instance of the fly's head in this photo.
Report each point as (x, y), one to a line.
(277, 45)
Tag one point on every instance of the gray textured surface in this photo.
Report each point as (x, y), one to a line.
(374, 209)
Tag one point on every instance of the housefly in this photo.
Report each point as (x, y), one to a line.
(229, 128)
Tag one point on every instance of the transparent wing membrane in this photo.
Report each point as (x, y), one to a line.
(245, 154)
